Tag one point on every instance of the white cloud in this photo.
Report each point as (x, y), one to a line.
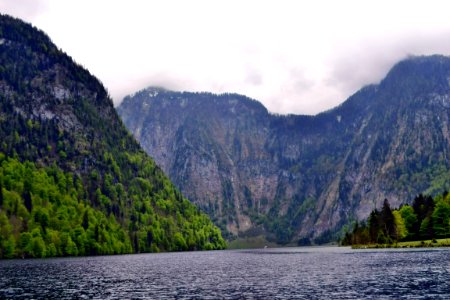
(25, 9)
(294, 56)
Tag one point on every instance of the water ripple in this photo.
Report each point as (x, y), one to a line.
(288, 273)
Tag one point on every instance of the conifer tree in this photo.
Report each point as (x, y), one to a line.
(374, 225)
(388, 221)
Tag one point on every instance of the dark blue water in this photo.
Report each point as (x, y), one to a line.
(285, 273)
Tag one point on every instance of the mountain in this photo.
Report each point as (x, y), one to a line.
(73, 181)
(301, 179)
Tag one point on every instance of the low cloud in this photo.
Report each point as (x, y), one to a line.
(370, 63)
(24, 9)
(299, 57)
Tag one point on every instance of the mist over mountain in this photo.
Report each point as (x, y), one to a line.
(294, 178)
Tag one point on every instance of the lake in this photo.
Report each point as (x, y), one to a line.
(281, 273)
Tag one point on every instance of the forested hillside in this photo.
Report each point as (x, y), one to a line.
(73, 180)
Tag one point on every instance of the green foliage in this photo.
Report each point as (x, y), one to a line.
(427, 218)
(423, 207)
(60, 223)
(441, 217)
(409, 219)
(53, 225)
(400, 226)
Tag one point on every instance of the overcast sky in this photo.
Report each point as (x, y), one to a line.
(298, 57)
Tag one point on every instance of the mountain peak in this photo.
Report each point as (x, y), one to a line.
(419, 74)
(195, 101)
(15, 30)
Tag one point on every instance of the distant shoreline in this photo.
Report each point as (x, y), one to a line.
(410, 244)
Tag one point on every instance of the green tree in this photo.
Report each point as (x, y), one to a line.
(441, 219)
(51, 250)
(5, 226)
(426, 228)
(423, 207)
(25, 244)
(27, 200)
(38, 248)
(400, 227)
(41, 217)
(71, 248)
(8, 249)
(388, 222)
(180, 243)
(85, 222)
(410, 220)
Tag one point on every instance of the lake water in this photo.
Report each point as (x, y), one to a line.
(283, 273)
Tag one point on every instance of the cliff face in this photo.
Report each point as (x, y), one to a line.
(301, 177)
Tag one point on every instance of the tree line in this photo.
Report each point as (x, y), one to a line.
(427, 218)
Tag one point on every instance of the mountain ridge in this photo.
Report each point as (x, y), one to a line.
(297, 177)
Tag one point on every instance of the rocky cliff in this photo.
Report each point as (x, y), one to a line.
(301, 178)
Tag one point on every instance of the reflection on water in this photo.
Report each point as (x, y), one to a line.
(283, 273)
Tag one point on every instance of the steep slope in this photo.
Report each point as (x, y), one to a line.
(301, 178)
(197, 140)
(65, 154)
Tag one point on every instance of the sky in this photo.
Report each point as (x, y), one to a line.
(296, 57)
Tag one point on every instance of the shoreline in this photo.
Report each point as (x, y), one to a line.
(409, 244)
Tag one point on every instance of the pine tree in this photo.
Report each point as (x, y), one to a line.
(27, 200)
(26, 194)
(388, 221)
(374, 225)
(85, 223)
